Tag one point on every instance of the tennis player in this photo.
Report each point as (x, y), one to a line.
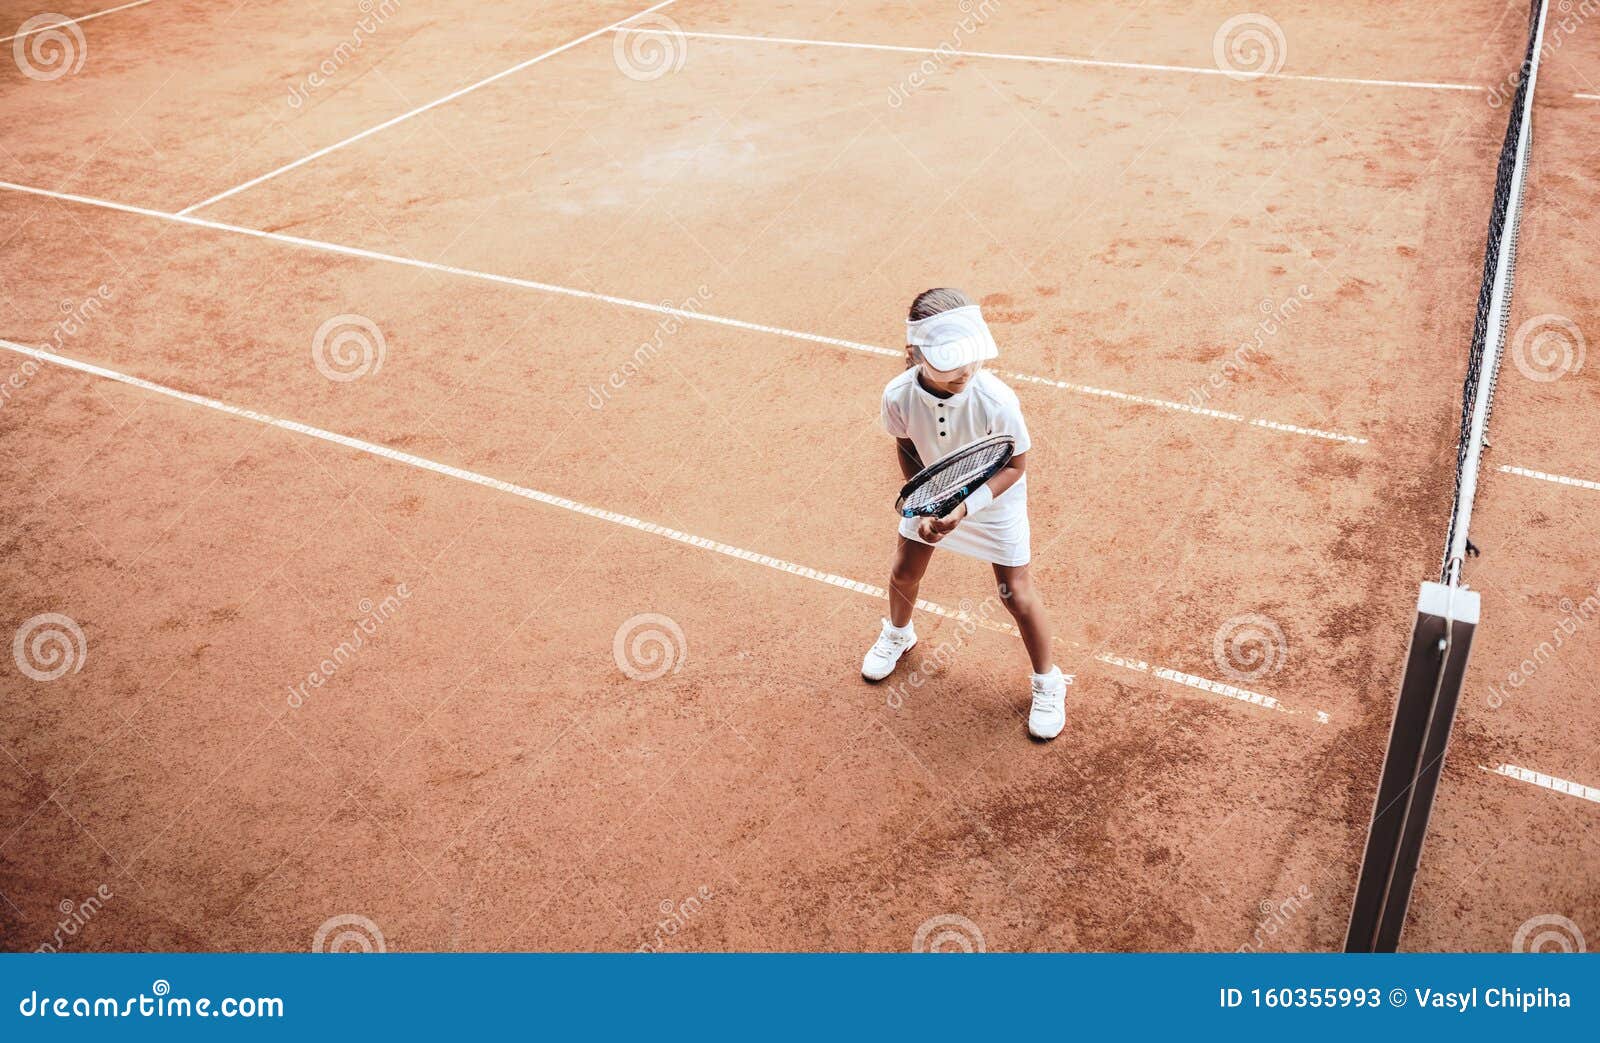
(943, 401)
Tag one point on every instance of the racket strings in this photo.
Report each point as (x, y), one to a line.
(963, 469)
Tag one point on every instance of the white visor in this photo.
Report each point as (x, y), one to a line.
(952, 339)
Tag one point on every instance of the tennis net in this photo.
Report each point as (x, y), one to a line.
(1447, 611)
(1494, 301)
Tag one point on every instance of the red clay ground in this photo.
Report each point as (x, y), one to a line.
(483, 775)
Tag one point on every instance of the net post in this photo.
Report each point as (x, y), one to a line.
(1436, 663)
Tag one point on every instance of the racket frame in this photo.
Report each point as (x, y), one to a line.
(955, 497)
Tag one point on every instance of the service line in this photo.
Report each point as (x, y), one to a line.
(1039, 59)
(1543, 781)
(419, 110)
(601, 514)
(1558, 479)
(688, 316)
(73, 21)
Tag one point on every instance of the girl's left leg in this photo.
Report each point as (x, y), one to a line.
(1047, 715)
(1025, 606)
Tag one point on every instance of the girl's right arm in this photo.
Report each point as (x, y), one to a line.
(910, 462)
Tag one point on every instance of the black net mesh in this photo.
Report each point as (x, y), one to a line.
(1504, 222)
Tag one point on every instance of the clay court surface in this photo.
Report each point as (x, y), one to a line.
(629, 312)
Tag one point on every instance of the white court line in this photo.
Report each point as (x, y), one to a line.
(1588, 97)
(1559, 479)
(72, 21)
(1549, 782)
(1093, 63)
(549, 499)
(386, 124)
(660, 309)
(1216, 687)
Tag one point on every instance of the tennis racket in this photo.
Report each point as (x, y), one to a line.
(937, 489)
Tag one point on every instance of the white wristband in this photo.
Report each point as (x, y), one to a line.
(981, 497)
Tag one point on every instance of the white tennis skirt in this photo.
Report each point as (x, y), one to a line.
(998, 534)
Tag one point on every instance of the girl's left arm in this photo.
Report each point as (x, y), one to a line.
(1009, 475)
(932, 528)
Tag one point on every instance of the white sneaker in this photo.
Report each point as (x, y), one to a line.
(1049, 712)
(887, 650)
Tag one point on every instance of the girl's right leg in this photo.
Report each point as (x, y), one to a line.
(905, 576)
(897, 636)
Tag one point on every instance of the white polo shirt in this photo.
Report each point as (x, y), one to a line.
(939, 426)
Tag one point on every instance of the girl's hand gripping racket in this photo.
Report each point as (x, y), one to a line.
(940, 488)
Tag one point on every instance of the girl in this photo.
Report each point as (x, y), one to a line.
(945, 400)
